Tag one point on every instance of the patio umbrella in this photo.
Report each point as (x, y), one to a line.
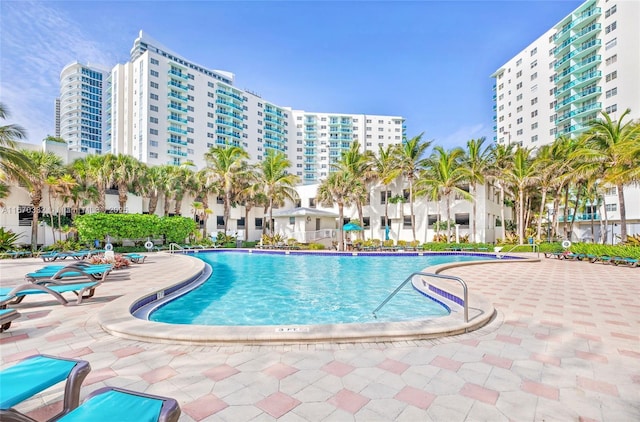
(351, 227)
(386, 232)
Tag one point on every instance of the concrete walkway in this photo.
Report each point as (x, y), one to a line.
(565, 346)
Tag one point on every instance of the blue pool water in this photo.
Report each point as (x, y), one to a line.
(278, 289)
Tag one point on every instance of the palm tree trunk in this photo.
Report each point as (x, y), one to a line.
(53, 229)
(566, 212)
(247, 208)
(413, 217)
(153, 202)
(205, 214)
(521, 216)
(474, 211)
(574, 213)
(623, 213)
(35, 201)
(504, 223)
(604, 224)
(386, 208)
(122, 198)
(360, 234)
(542, 206)
(167, 203)
(271, 228)
(227, 209)
(448, 218)
(340, 222)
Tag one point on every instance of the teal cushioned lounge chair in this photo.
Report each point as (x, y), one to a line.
(6, 316)
(10, 296)
(117, 404)
(35, 374)
(98, 272)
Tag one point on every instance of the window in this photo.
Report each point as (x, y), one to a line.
(25, 215)
(519, 97)
(153, 143)
(154, 61)
(610, 11)
(612, 59)
(534, 101)
(609, 28)
(534, 64)
(611, 76)
(611, 44)
(312, 202)
(462, 219)
(153, 131)
(366, 222)
(153, 108)
(534, 51)
(406, 223)
(292, 220)
(220, 222)
(534, 138)
(612, 109)
(519, 62)
(153, 155)
(534, 125)
(154, 85)
(519, 85)
(258, 223)
(241, 223)
(519, 120)
(519, 109)
(153, 96)
(611, 207)
(382, 222)
(519, 132)
(534, 113)
(612, 191)
(432, 219)
(154, 73)
(384, 196)
(610, 93)
(153, 119)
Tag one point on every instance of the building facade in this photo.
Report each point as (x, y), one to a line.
(80, 110)
(586, 63)
(165, 109)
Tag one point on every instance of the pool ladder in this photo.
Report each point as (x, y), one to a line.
(446, 277)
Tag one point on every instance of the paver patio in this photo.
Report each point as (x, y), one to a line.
(565, 345)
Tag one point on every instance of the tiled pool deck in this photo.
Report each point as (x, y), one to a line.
(565, 345)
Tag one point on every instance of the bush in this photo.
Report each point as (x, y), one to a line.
(8, 239)
(316, 246)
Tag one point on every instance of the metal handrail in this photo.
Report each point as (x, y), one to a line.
(447, 277)
(174, 247)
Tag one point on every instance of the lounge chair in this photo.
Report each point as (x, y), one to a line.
(632, 262)
(6, 316)
(16, 254)
(135, 257)
(119, 404)
(558, 255)
(98, 272)
(11, 296)
(34, 375)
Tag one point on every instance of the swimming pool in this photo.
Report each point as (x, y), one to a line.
(249, 289)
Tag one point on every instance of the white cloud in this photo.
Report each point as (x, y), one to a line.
(36, 42)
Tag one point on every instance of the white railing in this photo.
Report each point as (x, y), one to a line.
(315, 235)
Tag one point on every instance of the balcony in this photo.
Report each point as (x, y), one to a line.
(179, 75)
(581, 217)
(228, 123)
(175, 129)
(226, 133)
(273, 129)
(228, 104)
(273, 111)
(229, 94)
(584, 95)
(177, 107)
(175, 118)
(578, 82)
(231, 114)
(176, 152)
(175, 141)
(176, 85)
(177, 96)
(310, 129)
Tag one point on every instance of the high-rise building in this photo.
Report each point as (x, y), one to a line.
(80, 109)
(165, 109)
(586, 63)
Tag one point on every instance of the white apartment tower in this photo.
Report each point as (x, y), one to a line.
(80, 118)
(164, 109)
(587, 63)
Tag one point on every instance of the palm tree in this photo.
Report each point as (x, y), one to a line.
(43, 165)
(337, 189)
(359, 165)
(276, 183)
(476, 162)
(445, 172)
(12, 161)
(521, 175)
(410, 160)
(124, 171)
(501, 160)
(224, 164)
(386, 172)
(202, 188)
(93, 171)
(611, 147)
(151, 182)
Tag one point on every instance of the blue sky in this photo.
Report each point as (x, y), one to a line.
(428, 61)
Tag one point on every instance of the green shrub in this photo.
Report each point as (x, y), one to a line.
(8, 239)
(316, 246)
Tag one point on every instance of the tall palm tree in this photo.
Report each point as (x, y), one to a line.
(410, 160)
(202, 188)
(446, 172)
(521, 175)
(43, 165)
(93, 170)
(337, 189)
(151, 183)
(386, 172)
(277, 184)
(359, 165)
(224, 164)
(476, 161)
(125, 172)
(500, 162)
(610, 146)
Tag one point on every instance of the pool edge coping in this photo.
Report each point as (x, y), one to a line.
(116, 319)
